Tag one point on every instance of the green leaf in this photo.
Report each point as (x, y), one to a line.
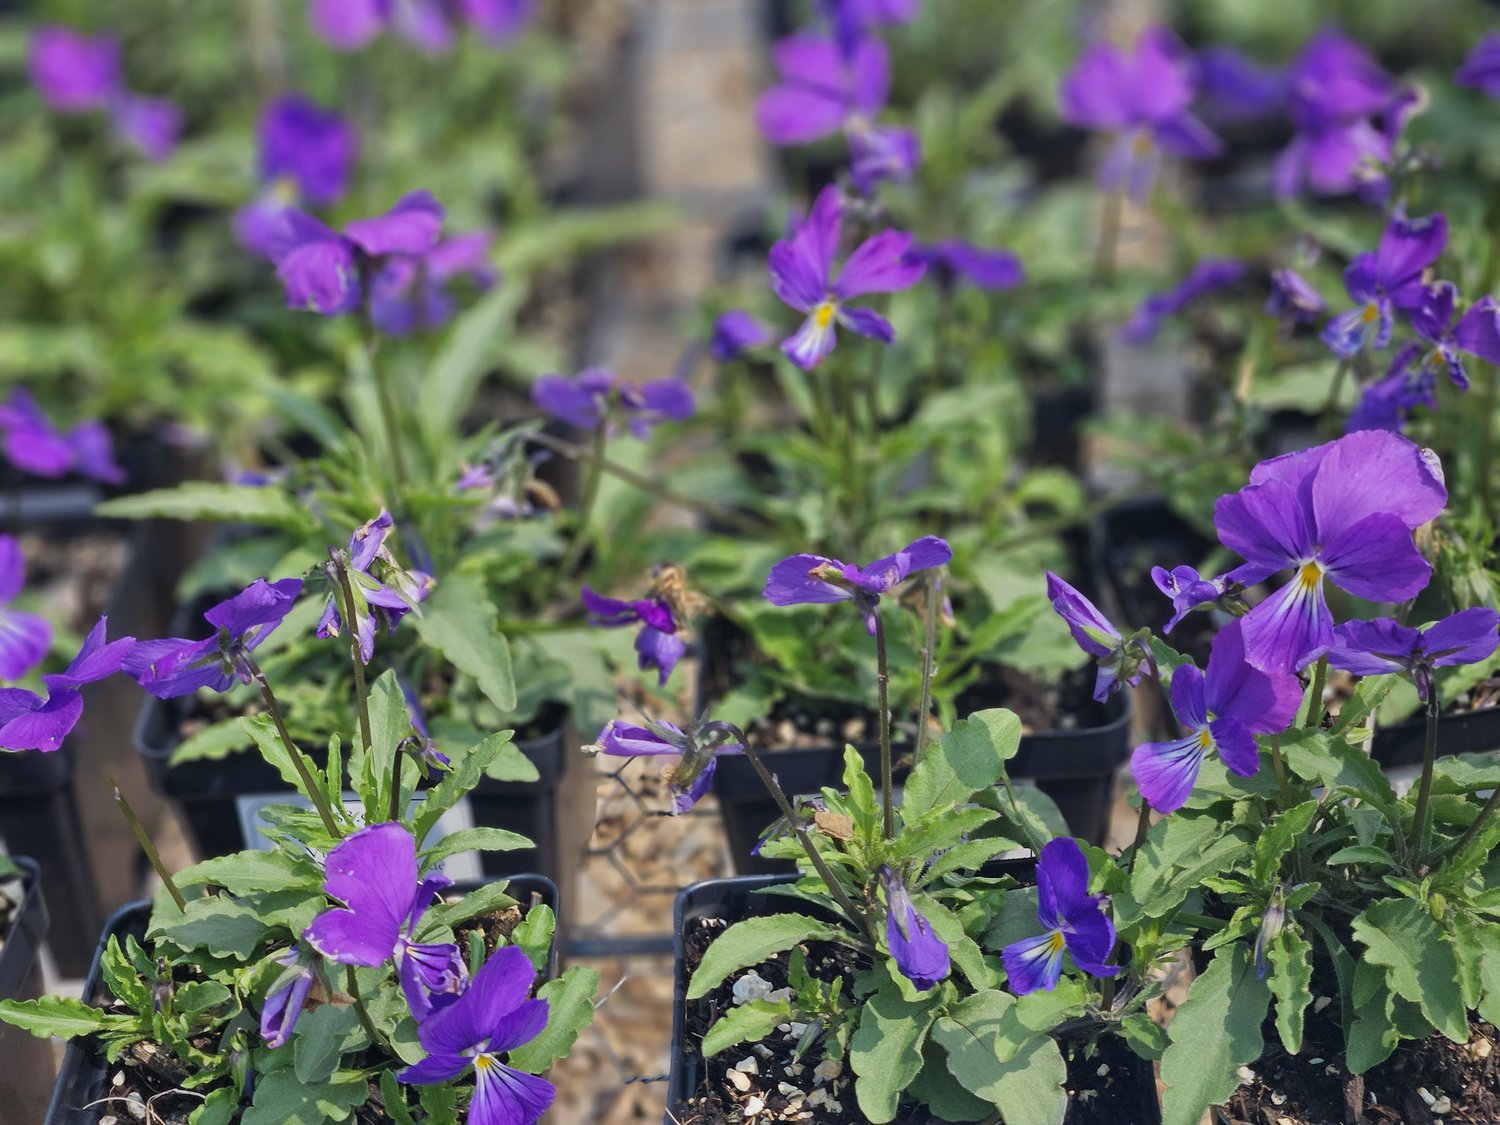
(860, 797)
(250, 872)
(749, 1022)
(1315, 756)
(971, 1033)
(886, 1050)
(214, 742)
(61, 1017)
(1372, 1035)
(390, 722)
(1031, 1090)
(283, 1099)
(219, 1108)
(224, 926)
(1279, 839)
(394, 1099)
(1420, 962)
(475, 840)
(459, 621)
(461, 364)
(534, 934)
(752, 941)
(570, 1009)
(1361, 853)
(199, 996)
(439, 1103)
(1213, 1034)
(1290, 955)
(123, 978)
(262, 729)
(1480, 945)
(1143, 1035)
(969, 758)
(941, 1094)
(482, 900)
(223, 503)
(459, 781)
(1366, 700)
(322, 1037)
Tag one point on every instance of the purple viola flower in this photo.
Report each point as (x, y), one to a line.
(1237, 89)
(920, 955)
(954, 261)
(699, 746)
(851, 20)
(153, 125)
(321, 269)
(656, 644)
(374, 874)
(72, 72)
(1390, 278)
(802, 274)
(1221, 710)
(1143, 98)
(1381, 646)
(814, 580)
(1386, 403)
(306, 156)
(1344, 512)
(34, 445)
(413, 292)
(596, 396)
(1206, 277)
(178, 666)
(25, 638)
(384, 591)
(826, 89)
(285, 1001)
(1189, 590)
(1334, 89)
(492, 1017)
(498, 20)
(29, 722)
(1481, 70)
(1121, 659)
(1073, 921)
(349, 25)
(735, 333)
(1477, 332)
(1293, 300)
(434, 761)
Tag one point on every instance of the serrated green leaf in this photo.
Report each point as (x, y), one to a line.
(390, 722)
(282, 1099)
(1366, 700)
(1213, 1034)
(475, 840)
(224, 926)
(886, 1050)
(1361, 853)
(1372, 1034)
(262, 730)
(459, 782)
(968, 759)
(534, 934)
(199, 996)
(745, 1023)
(1316, 756)
(123, 979)
(214, 742)
(61, 1017)
(570, 1009)
(250, 872)
(460, 622)
(218, 1108)
(752, 941)
(322, 1037)
(971, 1034)
(1420, 963)
(1280, 838)
(394, 1099)
(223, 503)
(1290, 955)
(941, 1093)
(860, 796)
(1143, 1035)
(482, 900)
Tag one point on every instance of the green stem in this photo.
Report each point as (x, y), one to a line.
(386, 402)
(929, 664)
(1331, 406)
(393, 809)
(359, 1007)
(883, 684)
(1420, 828)
(361, 699)
(144, 839)
(835, 888)
(1314, 717)
(314, 791)
(1281, 780)
(1142, 826)
(727, 516)
(593, 473)
(1109, 237)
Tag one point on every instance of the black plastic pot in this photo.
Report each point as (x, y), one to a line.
(26, 1077)
(1462, 732)
(84, 1075)
(739, 898)
(556, 811)
(39, 812)
(1076, 768)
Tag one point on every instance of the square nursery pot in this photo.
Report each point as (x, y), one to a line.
(1134, 1100)
(1076, 768)
(1400, 745)
(84, 1076)
(556, 811)
(29, 1064)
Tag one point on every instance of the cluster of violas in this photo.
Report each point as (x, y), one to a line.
(1343, 513)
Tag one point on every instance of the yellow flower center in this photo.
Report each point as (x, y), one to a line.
(824, 313)
(1140, 144)
(483, 1063)
(1056, 943)
(1371, 313)
(284, 190)
(1205, 740)
(1309, 576)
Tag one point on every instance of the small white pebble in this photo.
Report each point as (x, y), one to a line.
(1481, 1048)
(1442, 1105)
(828, 1070)
(1425, 1096)
(1314, 1062)
(754, 1106)
(118, 1079)
(762, 1050)
(748, 1065)
(795, 1070)
(799, 1030)
(787, 1089)
(1103, 1070)
(111, 1119)
(1086, 1095)
(739, 1080)
(751, 986)
(136, 1105)
(1278, 1099)
(1322, 1002)
(1330, 1070)
(1246, 1074)
(833, 1105)
(818, 1097)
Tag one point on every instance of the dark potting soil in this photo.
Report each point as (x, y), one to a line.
(822, 1091)
(153, 1078)
(74, 575)
(1461, 1083)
